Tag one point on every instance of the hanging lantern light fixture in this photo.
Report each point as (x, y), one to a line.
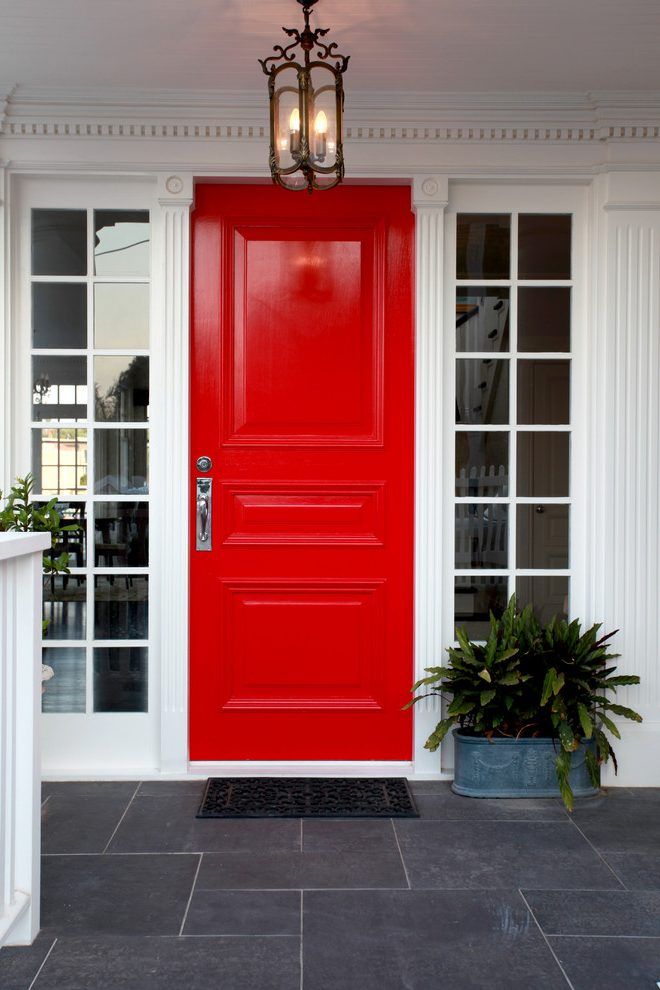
(306, 95)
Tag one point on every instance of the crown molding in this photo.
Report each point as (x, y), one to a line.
(605, 116)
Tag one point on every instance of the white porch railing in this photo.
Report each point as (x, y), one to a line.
(20, 703)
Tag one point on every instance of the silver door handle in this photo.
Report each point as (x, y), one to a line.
(203, 515)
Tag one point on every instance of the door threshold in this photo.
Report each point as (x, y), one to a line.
(300, 768)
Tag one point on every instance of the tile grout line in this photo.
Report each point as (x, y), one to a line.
(599, 854)
(545, 939)
(107, 845)
(403, 863)
(45, 801)
(192, 891)
(301, 835)
(37, 974)
(301, 934)
(650, 938)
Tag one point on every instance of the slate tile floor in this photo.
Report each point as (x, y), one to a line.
(504, 895)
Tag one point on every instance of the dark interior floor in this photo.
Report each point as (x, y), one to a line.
(499, 895)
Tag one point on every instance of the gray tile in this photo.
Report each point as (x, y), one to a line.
(244, 912)
(596, 912)
(422, 940)
(638, 871)
(168, 824)
(88, 895)
(621, 824)
(175, 788)
(90, 788)
(441, 803)
(287, 871)
(500, 854)
(81, 823)
(144, 963)
(20, 964)
(340, 837)
(609, 963)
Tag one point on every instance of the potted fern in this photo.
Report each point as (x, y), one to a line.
(531, 708)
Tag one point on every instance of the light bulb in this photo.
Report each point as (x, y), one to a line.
(321, 123)
(294, 120)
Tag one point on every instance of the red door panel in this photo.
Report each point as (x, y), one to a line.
(302, 395)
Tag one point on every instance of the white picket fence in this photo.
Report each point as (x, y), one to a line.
(20, 703)
(484, 482)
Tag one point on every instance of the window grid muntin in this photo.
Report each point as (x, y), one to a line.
(90, 571)
(511, 573)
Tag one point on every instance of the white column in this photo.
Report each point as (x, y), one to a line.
(623, 551)
(170, 440)
(430, 197)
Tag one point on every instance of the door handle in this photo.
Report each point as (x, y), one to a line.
(203, 516)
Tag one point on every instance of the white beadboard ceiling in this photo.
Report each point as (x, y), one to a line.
(417, 46)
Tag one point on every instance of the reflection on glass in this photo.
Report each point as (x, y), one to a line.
(59, 242)
(482, 319)
(542, 536)
(121, 606)
(548, 595)
(482, 390)
(121, 242)
(59, 461)
(544, 245)
(481, 536)
(59, 315)
(474, 599)
(543, 464)
(482, 464)
(544, 319)
(65, 692)
(121, 534)
(120, 679)
(121, 462)
(59, 388)
(482, 245)
(74, 541)
(544, 392)
(121, 389)
(65, 606)
(121, 315)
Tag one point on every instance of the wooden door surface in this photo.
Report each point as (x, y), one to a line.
(301, 612)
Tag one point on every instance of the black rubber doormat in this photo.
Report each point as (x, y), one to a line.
(307, 797)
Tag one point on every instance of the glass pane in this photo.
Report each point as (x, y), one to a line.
(543, 464)
(121, 534)
(287, 117)
(65, 606)
(482, 319)
(544, 245)
(121, 389)
(59, 461)
(121, 315)
(474, 599)
(74, 541)
(121, 462)
(482, 245)
(548, 595)
(481, 536)
(542, 536)
(323, 117)
(59, 315)
(121, 242)
(59, 388)
(65, 691)
(120, 679)
(482, 390)
(544, 319)
(544, 392)
(121, 606)
(482, 464)
(59, 242)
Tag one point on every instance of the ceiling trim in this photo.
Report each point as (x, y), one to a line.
(395, 117)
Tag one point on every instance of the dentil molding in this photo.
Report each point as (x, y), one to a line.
(206, 116)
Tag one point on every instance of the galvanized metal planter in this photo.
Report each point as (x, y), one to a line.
(515, 767)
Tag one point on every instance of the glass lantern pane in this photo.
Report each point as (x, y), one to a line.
(286, 116)
(323, 118)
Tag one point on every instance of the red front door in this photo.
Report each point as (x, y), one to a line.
(302, 396)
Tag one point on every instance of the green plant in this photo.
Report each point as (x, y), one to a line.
(21, 514)
(550, 681)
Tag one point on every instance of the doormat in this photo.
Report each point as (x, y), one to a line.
(307, 797)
